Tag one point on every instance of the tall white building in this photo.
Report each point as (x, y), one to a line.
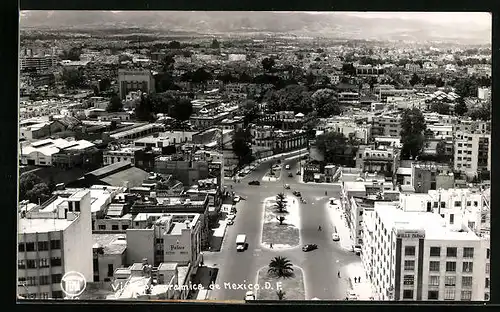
(54, 239)
(472, 152)
(429, 246)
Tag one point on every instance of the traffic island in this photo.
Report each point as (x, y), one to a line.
(281, 228)
(275, 176)
(269, 284)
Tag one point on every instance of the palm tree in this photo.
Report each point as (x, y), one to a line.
(280, 219)
(280, 197)
(281, 267)
(281, 294)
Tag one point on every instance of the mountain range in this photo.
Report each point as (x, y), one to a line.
(340, 25)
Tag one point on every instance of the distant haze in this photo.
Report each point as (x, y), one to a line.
(474, 28)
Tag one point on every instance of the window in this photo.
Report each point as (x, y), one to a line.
(408, 279)
(487, 283)
(433, 295)
(44, 280)
(487, 253)
(487, 268)
(30, 246)
(56, 278)
(435, 204)
(31, 264)
(486, 296)
(466, 295)
(434, 280)
(42, 246)
(408, 294)
(452, 218)
(409, 250)
(451, 252)
(435, 251)
(458, 203)
(467, 267)
(102, 227)
(451, 266)
(450, 280)
(110, 270)
(449, 294)
(21, 247)
(468, 252)
(443, 205)
(114, 227)
(124, 226)
(31, 281)
(56, 261)
(434, 266)
(468, 203)
(55, 244)
(21, 264)
(466, 281)
(43, 263)
(409, 265)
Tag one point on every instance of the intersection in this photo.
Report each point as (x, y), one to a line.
(320, 266)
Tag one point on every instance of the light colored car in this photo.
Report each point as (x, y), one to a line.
(230, 222)
(287, 167)
(335, 237)
(249, 295)
(236, 198)
(286, 186)
(351, 295)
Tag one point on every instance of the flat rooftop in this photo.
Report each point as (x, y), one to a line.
(27, 226)
(112, 244)
(433, 224)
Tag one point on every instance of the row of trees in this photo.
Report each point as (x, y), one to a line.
(32, 188)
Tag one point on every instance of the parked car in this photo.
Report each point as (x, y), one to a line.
(351, 295)
(357, 249)
(286, 186)
(230, 222)
(236, 198)
(309, 247)
(335, 237)
(290, 175)
(254, 183)
(231, 217)
(250, 295)
(297, 193)
(287, 167)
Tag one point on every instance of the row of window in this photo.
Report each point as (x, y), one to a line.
(449, 294)
(434, 266)
(41, 280)
(114, 227)
(451, 252)
(42, 246)
(451, 281)
(41, 263)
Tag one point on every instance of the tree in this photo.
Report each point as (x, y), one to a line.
(241, 146)
(281, 206)
(124, 58)
(174, 45)
(412, 132)
(268, 64)
(460, 108)
(39, 193)
(115, 104)
(72, 54)
(336, 149)
(144, 109)
(291, 98)
(281, 219)
(280, 197)
(310, 125)
(281, 267)
(181, 110)
(52, 184)
(325, 103)
(215, 44)
(73, 78)
(481, 113)
(441, 151)
(26, 182)
(440, 108)
(250, 110)
(348, 69)
(201, 76)
(168, 62)
(415, 79)
(281, 294)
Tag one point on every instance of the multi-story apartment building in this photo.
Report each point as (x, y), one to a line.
(386, 126)
(134, 80)
(381, 159)
(349, 128)
(39, 62)
(472, 153)
(416, 255)
(53, 239)
(484, 93)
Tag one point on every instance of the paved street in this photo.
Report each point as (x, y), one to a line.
(320, 266)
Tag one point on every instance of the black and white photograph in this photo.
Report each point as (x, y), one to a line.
(237, 157)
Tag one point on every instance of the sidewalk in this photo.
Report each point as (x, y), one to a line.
(218, 236)
(337, 220)
(363, 289)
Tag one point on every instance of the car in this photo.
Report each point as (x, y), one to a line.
(231, 217)
(357, 249)
(254, 183)
(309, 247)
(236, 198)
(297, 193)
(335, 237)
(351, 295)
(290, 175)
(286, 186)
(298, 173)
(230, 222)
(249, 295)
(287, 167)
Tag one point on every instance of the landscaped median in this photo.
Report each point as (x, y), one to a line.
(273, 174)
(281, 280)
(281, 222)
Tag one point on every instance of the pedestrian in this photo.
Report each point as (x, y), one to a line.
(210, 273)
(338, 273)
(271, 245)
(359, 279)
